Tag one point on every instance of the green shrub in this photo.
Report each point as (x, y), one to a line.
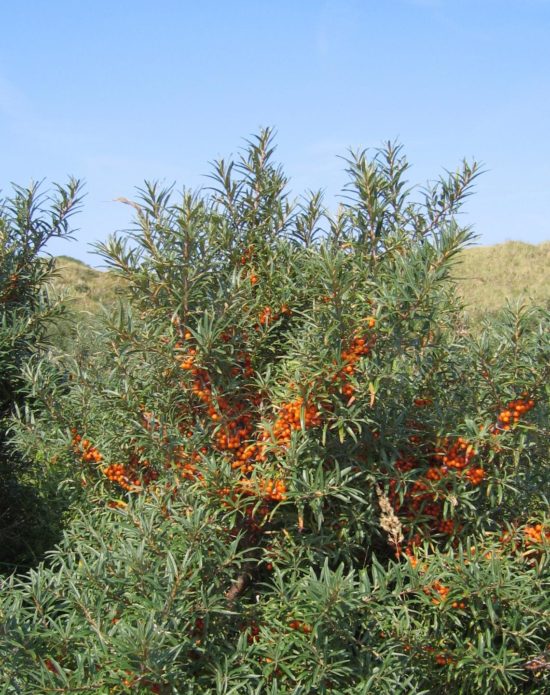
(28, 220)
(302, 474)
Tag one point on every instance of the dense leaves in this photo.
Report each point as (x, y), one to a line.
(28, 220)
(301, 472)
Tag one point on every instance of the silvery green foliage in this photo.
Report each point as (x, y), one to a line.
(195, 584)
(29, 219)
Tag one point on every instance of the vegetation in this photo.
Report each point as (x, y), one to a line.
(488, 278)
(28, 220)
(83, 288)
(293, 470)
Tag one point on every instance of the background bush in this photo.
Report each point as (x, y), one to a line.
(301, 473)
(28, 220)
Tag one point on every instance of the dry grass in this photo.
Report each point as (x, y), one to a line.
(489, 276)
(86, 288)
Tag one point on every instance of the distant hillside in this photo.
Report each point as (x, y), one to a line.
(85, 287)
(487, 277)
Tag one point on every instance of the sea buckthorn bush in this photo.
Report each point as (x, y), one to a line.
(302, 472)
(29, 219)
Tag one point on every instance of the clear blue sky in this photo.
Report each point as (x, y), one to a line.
(119, 91)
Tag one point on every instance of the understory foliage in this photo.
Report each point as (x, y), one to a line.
(298, 471)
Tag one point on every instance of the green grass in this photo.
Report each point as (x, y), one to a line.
(488, 277)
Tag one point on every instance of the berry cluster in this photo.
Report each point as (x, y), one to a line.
(186, 463)
(289, 419)
(237, 432)
(457, 455)
(420, 504)
(274, 490)
(133, 475)
(268, 316)
(300, 626)
(270, 490)
(443, 659)
(245, 260)
(84, 449)
(422, 402)
(529, 543)
(440, 589)
(130, 476)
(359, 347)
(536, 534)
(421, 500)
(253, 632)
(185, 361)
(232, 420)
(513, 412)
(118, 473)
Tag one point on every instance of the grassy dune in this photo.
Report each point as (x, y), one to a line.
(86, 288)
(490, 276)
(487, 276)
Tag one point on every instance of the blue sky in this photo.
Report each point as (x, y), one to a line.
(116, 92)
